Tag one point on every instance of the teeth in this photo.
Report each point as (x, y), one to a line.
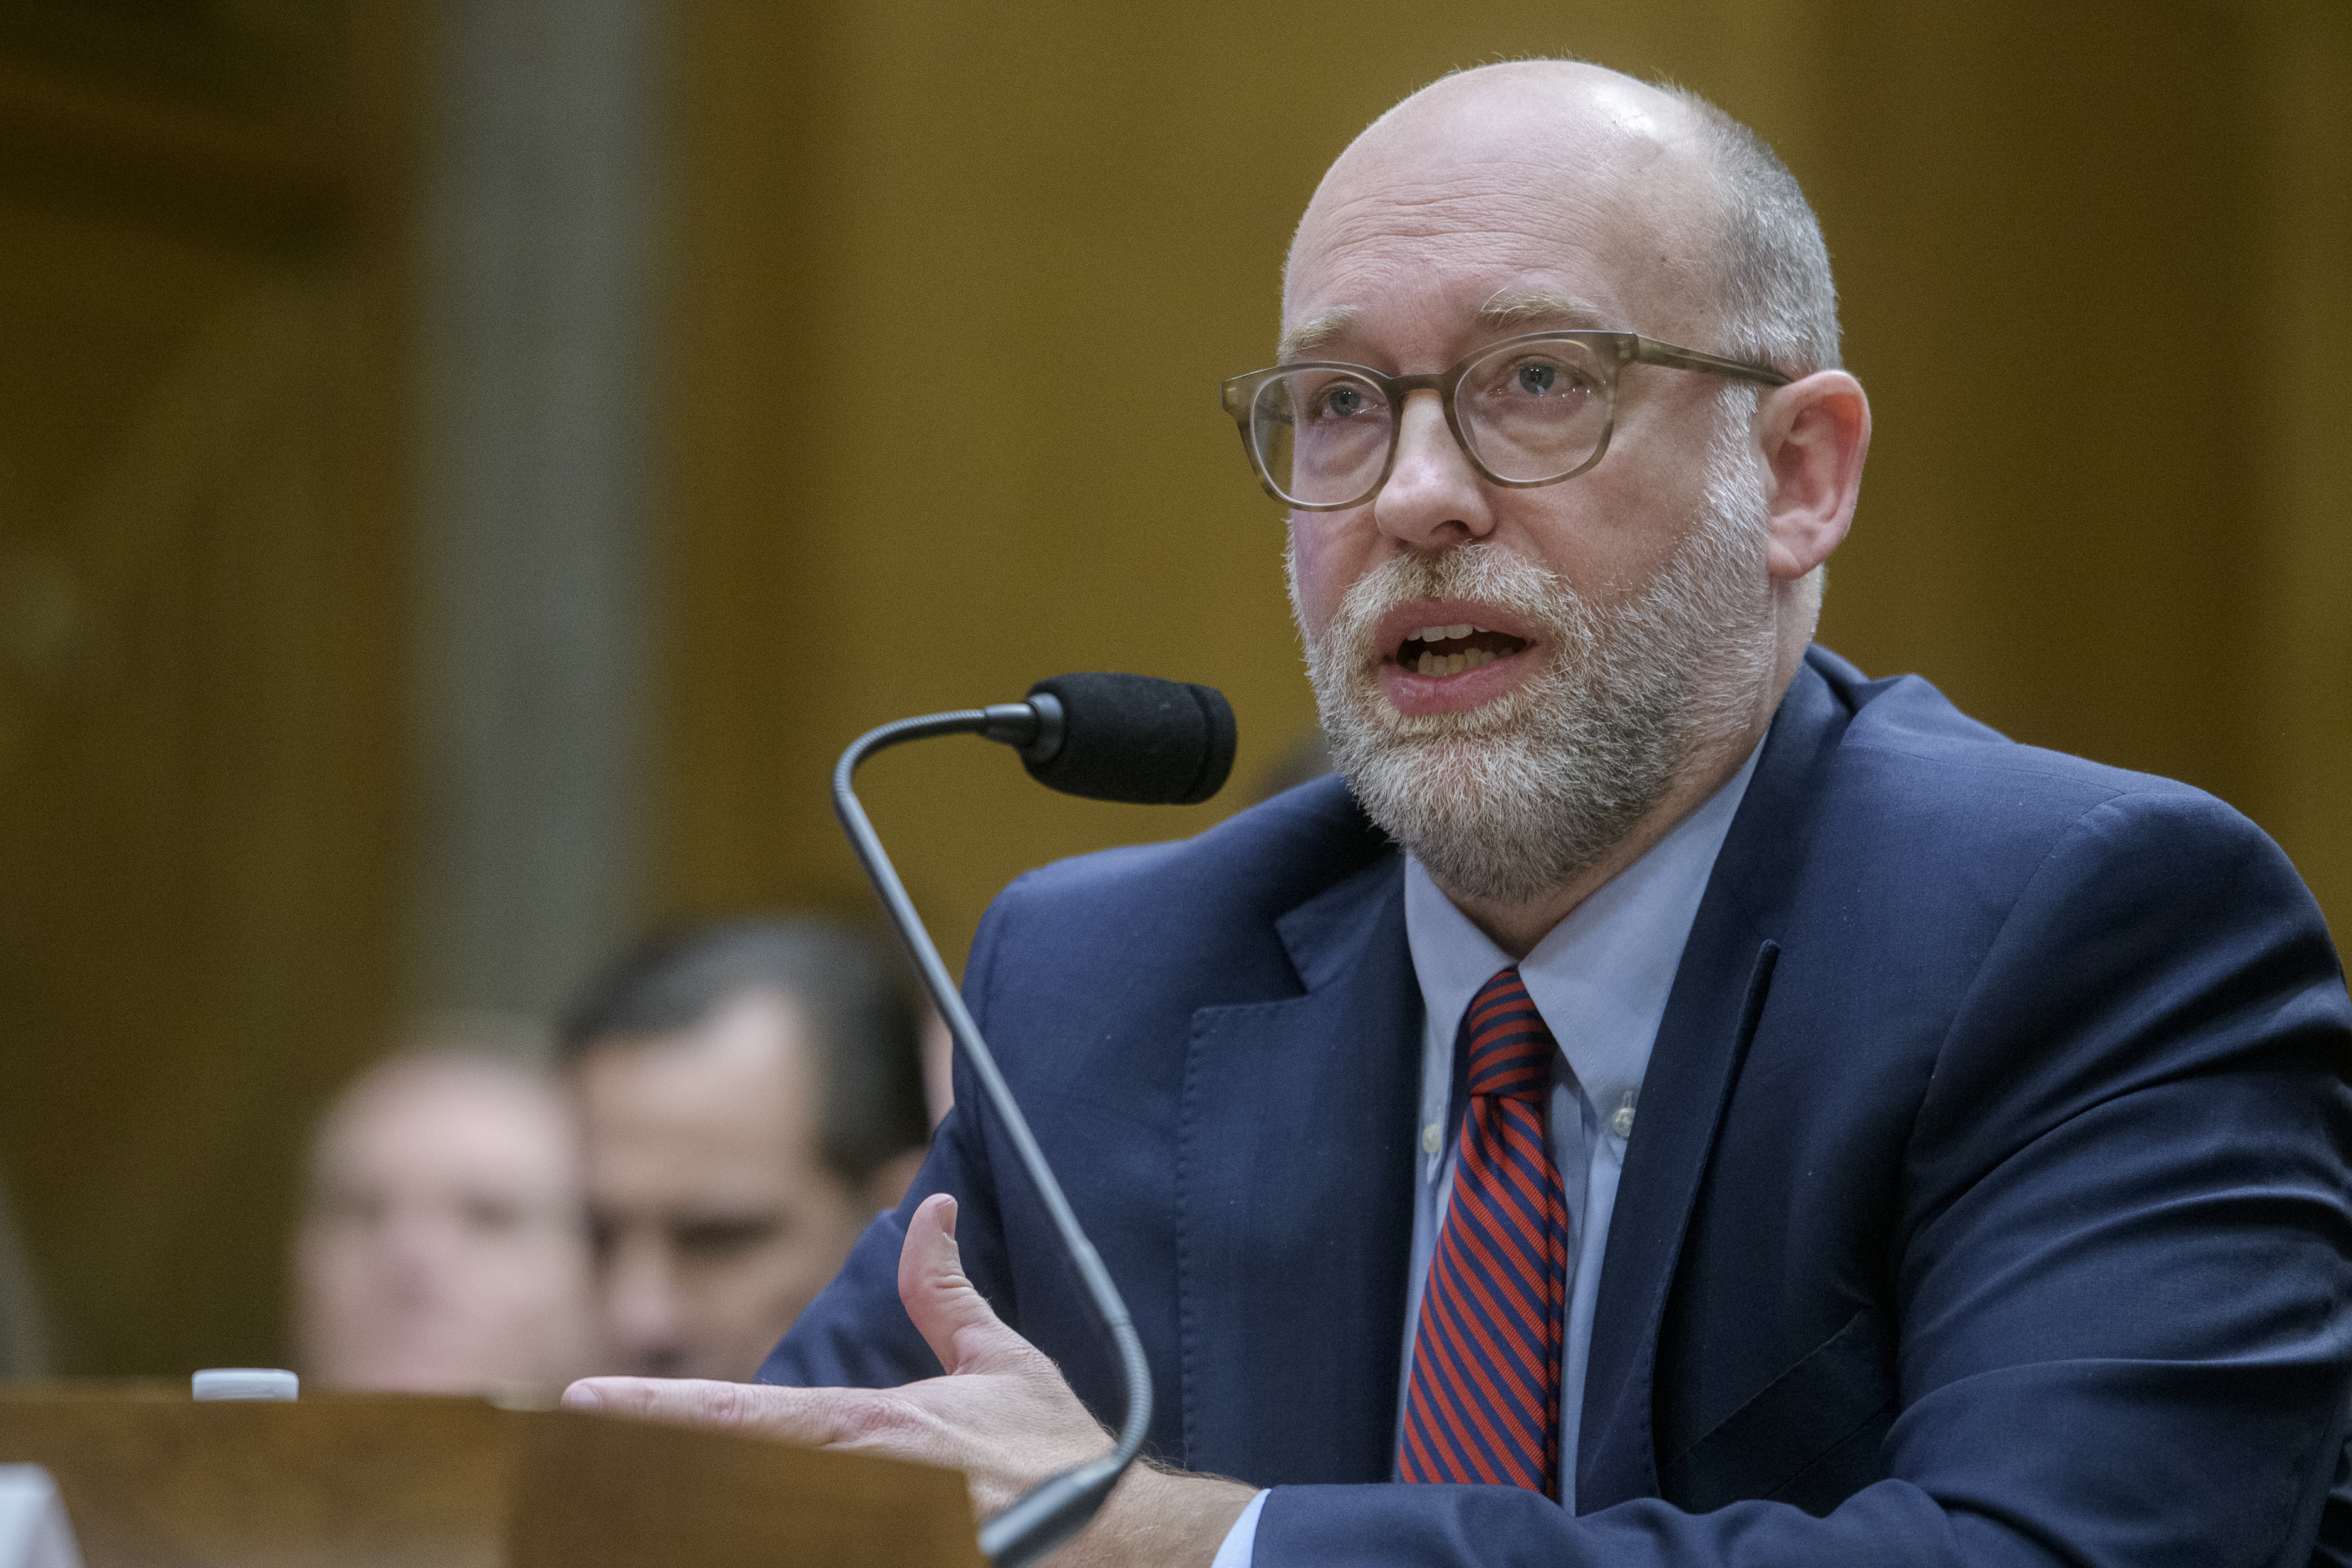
(1431, 663)
(1469, 659)
(1452, 633)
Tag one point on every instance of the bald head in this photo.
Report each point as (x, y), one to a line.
(1547, 164)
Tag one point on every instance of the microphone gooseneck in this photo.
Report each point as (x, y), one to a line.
(1108, 736)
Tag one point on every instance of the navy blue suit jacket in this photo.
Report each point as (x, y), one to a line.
(1987, 1205)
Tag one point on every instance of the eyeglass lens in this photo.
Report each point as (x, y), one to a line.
(1529, 411)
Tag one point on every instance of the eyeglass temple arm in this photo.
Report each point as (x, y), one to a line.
(1650, 351)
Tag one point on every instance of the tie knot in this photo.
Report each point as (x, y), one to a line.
(1510, 1049)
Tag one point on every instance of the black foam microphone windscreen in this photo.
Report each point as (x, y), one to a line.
(1135, 738)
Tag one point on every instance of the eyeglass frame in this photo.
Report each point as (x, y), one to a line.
(1238, 395)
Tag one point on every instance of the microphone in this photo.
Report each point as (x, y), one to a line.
(1130, 737)
(1126, 737)
(1108, 737)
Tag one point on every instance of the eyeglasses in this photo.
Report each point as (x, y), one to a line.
(1528, 410)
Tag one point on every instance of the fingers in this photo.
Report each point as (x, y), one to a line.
(814, 1415)
(954, 1319)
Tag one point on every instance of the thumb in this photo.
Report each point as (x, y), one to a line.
(962, 1330)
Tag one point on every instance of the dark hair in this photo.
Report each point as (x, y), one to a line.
(867, 1060)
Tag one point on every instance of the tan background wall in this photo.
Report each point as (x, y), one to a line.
(950, 286)
(202, 516)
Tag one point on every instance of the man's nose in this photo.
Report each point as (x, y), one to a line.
(1433, 497)
(421, 1245)
(641, 1315)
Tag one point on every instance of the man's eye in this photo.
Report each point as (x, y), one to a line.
(1544, 379)
(492, 1216)
(1338, 400)
(723, 1238)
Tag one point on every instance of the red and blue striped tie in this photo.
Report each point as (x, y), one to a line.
(1483, 1405)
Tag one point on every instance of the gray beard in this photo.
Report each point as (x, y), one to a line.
(1527, 792)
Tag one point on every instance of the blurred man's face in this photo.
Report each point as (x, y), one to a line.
(714, 1219)
(442, 1251)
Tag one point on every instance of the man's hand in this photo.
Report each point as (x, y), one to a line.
(1003, 1414)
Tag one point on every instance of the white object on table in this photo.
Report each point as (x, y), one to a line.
(245, 1383)
(34, 1530)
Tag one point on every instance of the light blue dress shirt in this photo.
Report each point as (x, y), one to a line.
(1600, 979)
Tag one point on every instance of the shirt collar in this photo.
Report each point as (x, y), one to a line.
(1601, 977)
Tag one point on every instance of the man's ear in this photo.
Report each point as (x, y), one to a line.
(1813, 434)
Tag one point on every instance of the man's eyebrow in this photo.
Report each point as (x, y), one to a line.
(1515, 309)
(1532, 310)
(1314, 334)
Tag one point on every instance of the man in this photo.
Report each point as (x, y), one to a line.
(1761, 1116)
(751, 1096)
(441, 1249)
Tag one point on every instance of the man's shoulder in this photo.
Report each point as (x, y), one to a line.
(1909, 751)
(1901, 787)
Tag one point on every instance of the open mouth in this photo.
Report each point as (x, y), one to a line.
(1452, 650)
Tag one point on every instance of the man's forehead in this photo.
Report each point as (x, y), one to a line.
(1566, 187)
(1503, 312)
(1379, 294)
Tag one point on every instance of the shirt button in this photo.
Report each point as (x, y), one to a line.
(1432, 1138)
(1621, 1124)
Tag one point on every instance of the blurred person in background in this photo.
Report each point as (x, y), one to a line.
(751, 1094)
(443, 1247)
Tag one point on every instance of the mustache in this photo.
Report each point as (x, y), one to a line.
(1473, 572)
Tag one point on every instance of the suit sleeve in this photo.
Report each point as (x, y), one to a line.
(856, 1334)
(2123, 1266)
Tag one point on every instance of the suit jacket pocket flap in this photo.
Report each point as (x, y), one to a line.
(1809, 1437)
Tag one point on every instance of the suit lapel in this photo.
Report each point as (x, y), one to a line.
(1294, 1198)
(1719, 993)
